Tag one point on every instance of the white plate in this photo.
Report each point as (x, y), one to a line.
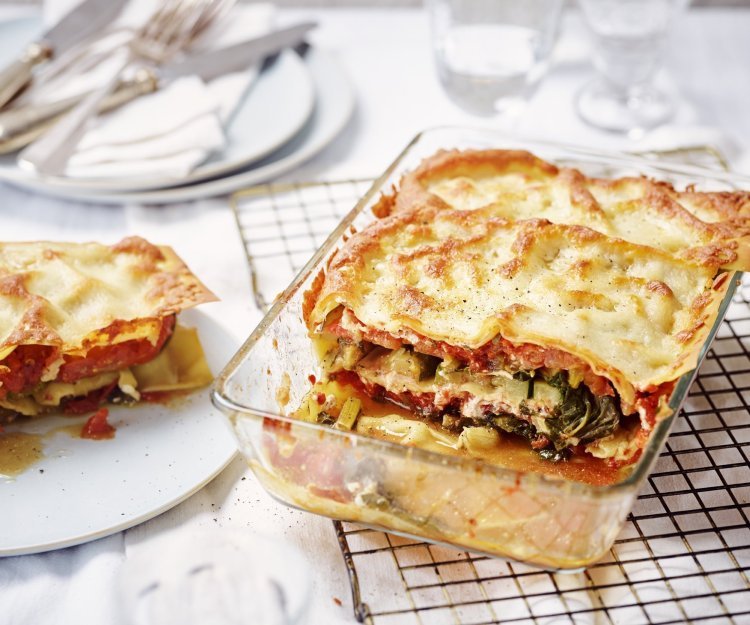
(86, 489)
(334, 105)
(275, 108)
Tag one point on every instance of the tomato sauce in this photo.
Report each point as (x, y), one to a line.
(87, 403)
(499, 353)
(114, 357)
(97, 426)
(23, 367)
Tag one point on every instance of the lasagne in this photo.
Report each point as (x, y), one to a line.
(499, 291)
(83, 324)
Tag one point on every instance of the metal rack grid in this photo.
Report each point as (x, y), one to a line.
(684, 553)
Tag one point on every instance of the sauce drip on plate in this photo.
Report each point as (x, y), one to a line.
(18, 451)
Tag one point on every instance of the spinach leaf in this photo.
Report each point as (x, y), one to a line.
(514, 425)
(522, 428)
(581, 414)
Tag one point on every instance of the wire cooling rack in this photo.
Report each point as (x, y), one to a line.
(684, 553)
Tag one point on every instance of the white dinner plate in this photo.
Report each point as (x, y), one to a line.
(334, 105)
(86, 489)
(275, 108)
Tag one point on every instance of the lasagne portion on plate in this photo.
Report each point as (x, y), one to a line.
(85, 323)
(497, 290)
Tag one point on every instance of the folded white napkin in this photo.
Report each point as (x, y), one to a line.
(166, 134)
(213, 577)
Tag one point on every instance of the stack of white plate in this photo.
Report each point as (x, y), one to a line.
(298, 105)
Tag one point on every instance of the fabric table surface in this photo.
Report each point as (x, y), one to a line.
(388, 58)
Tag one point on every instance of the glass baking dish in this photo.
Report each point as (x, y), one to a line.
(446, 499)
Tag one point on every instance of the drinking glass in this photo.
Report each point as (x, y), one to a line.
(629, 39)
(490, 54)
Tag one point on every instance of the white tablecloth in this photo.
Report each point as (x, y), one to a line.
(387, 55)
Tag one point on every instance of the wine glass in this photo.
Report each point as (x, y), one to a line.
(629, 40)
(490, 54)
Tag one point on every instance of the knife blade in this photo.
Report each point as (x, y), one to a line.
(214, 63)
(83, 20)
(21, 126)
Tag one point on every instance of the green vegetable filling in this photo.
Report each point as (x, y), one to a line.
(549, 405)
(581, 417)
(581, 414)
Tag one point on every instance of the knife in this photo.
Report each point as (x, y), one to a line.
(83, 20)
(19, 127)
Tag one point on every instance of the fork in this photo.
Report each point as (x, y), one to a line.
(172, 27)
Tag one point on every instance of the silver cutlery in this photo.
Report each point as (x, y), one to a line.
(21, 126)
(172, 28)
(84, 20)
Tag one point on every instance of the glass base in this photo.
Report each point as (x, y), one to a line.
(485, 96)
(601, 105)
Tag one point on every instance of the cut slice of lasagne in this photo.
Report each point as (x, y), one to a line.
(497, 289)
(85, 323)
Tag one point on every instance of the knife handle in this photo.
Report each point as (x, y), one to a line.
(16, 75)
(19, 127)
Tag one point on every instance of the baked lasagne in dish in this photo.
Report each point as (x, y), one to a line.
(82, 324)
(499, 294)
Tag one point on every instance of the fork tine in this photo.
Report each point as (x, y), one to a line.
(163, 15)
(171, 27)
(171, 21)
(212, 10)
(176, 23)
(215, 12)
(192, 19)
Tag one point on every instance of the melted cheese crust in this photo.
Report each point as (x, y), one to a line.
(710, 228)
(460, 255)
(63, 294)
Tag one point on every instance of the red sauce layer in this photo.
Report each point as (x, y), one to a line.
(97, 426)
(22, 369)
(105, 358)
(499, 353)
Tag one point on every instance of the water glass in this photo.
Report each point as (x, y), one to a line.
(490, 54)
(629, 38)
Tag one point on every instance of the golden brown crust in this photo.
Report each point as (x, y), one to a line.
(150, 253)
(713, 227)
(624, 274)
(63, 294)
